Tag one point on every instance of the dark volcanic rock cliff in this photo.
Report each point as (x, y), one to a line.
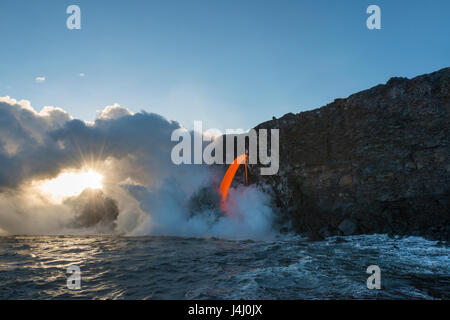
(375, 162)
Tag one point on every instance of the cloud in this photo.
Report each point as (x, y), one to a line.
(132, 152)
(39, 79)
(113, 112)
(81, 75)
(48, 141)
(25, 104)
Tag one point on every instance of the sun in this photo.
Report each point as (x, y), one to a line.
(72, 183)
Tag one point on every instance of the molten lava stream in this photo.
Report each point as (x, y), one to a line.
(228, 178)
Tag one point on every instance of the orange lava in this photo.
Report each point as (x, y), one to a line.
(229, 175)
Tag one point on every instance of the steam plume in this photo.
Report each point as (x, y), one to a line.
(143, 191)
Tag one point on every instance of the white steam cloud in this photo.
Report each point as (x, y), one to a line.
(132, 152)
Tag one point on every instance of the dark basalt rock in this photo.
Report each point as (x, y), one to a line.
(94, 209)
(375, 162)
(206, 202)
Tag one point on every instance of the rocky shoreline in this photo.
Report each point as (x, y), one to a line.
(375, 162)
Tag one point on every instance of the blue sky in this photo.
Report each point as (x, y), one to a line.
(232, 64)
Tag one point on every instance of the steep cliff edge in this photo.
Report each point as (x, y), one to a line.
(375, 162)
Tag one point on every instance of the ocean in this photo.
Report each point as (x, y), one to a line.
(286, 267)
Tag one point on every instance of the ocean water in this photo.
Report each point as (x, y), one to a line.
(288, 267)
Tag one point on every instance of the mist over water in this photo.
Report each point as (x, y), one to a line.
(286, 267)
(248, 214)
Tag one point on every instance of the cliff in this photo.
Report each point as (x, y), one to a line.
(375, 162)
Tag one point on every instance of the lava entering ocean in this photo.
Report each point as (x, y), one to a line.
(228, 178)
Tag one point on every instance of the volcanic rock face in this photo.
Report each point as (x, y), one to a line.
(375, 162)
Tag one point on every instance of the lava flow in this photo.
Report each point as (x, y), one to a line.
(228, 178)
